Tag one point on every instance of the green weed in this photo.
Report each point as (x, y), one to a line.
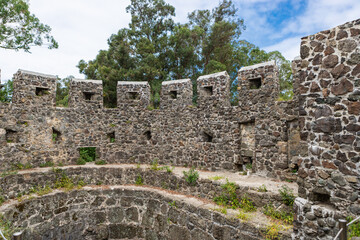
(139, 180)
(191, 176)
(287, 195)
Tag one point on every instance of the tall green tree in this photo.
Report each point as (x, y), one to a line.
(6, 91)
(155, 49)
(19, 29)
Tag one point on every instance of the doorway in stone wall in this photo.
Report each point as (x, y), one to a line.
(247, 147)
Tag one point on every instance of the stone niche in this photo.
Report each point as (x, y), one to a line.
(133, 95)
(86, 93)
(176, 93)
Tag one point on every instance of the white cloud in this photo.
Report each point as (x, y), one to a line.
(290, 47)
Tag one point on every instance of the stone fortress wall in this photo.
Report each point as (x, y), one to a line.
(213, 135)
(318, 133)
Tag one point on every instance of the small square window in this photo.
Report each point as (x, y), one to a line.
(206, 137)
(40, 91)
(255, 83)
(208, 91)
(173, 94)
(133, 95)
(88, 96)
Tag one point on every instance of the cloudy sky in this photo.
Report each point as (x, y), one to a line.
(82, 28)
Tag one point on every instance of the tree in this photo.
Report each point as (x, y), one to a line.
(6, 91)
(19, 29)
(62, 91)
(155, 49)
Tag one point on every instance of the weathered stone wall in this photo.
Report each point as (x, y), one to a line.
(329, 99)
(207, 135)
(23, 182)
(122, 213)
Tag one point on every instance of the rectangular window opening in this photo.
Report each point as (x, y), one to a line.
(147, 135)
(88, 96)
(255, 83)
(321, 197)
(56, 135)
(41, 91)
(111, 137)
(173, 94)
(11, 136)
(133, 95)
(208, 91)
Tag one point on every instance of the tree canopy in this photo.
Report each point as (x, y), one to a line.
(154, 48)
(19, 29)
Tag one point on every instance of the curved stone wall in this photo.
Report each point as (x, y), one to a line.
(22, 182)
(123, 212)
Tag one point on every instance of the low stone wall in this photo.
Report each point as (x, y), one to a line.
(24, 181)
(123, 213)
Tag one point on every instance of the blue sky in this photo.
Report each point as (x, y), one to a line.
(82, 28)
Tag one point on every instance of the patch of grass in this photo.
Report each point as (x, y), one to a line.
(7, 228)
(262, 188)
(154, 165)
(228, 196)
(112, 140)
(64, 182)
(7, 173)
(173, 204)
(20, 166)
(41, 190)
(216, 178)
(191, 176)
(138, 165)
(112, 125)
(222, 210)
(287, 195)
(270, 211)
(81, 161)
(54, 137)
(150, 107)
(47, 164)
(168, 169)
(354, 229)
(272, 232)
(248, 166)
(243, 216)
(100, 162)
(139, 180)
(247, 205)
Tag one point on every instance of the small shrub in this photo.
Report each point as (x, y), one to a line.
(7, 173)
(81, 161)
(173, 204)
(112, 140)
(20, 166)
(248, 166)
(354, 229)
(270, 211)
(138, 165)
(47, 164)
(154, 165)
(139, 180)
(191, 176)
(247, 205)
(168, 169)
(272, 232)
(228, 195)
(7, 228)
(64, 182)
(243, 216)
(150, 107)
(287, 195)
(262, 188)
(100, 162)
(222, 210)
